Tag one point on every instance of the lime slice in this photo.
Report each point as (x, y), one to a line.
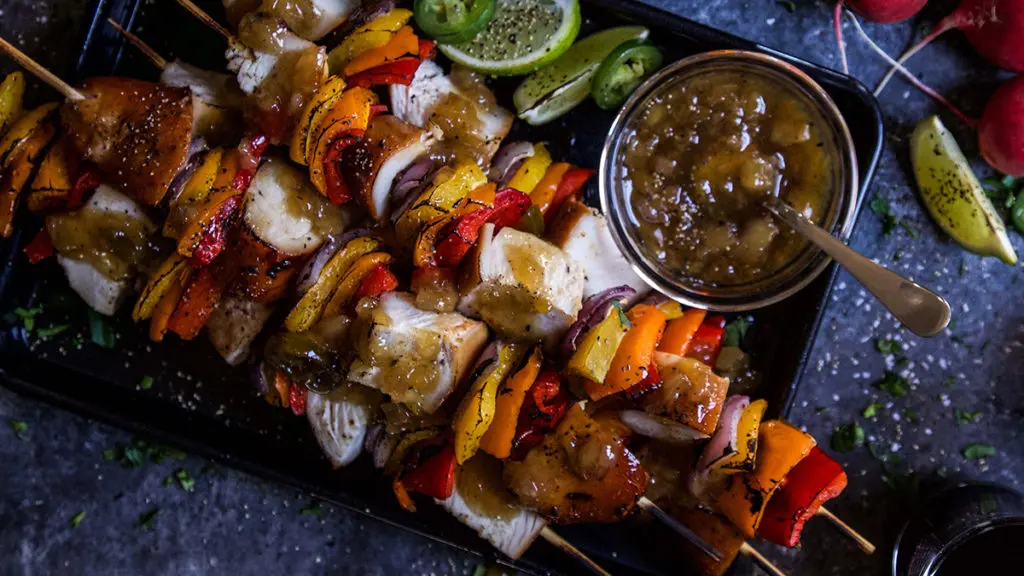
(522, 36)
(953, 195)
(561, 86)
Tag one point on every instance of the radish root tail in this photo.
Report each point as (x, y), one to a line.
(837, 23)
(943, 27)
(910, 77)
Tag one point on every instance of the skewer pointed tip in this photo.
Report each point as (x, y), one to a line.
(41, 72)
(647, 505)
(561, 543)
(158, 60)
(861, 541)
(208, 20)
(759, 559)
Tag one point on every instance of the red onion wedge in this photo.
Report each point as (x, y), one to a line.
(725, 442)
(660, 428)
(315, 265)
(508, 159)
(594, 311)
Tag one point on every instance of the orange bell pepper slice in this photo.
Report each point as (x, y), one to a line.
(780, 447)
(403, 43)
(165, 307)
(198, 302)
(635, 354)
(543, 194)
(679, 332)
(497, 441)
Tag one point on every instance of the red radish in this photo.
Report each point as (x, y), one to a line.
(994, 27)
(880, 11)
(1001, 130)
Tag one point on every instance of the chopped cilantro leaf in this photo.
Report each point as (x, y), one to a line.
(821, 409)
(910, 229)
(147, 382)
(888, 346)
(100, 331)
(949, 382)
(53, 330)
(911, 416)
(978, 451)
(886, 457)
(622, 315)
(20, 428)
(145, 521)
(871, 410)
(880, 207)
(894, 384)
(789, 5)
(902, 361)
(185, 481)
(77, 519)
(847, 438)
(167, 481)
(110, 454)
(28, 316)
(314, 509)
(985, 344)
(965, 417)
(735, 330)
(480, 570)
(139, 452)
(957, 339)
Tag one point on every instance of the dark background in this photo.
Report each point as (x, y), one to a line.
(232, 522)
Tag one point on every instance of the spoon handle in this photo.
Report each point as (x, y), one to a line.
(919, 309)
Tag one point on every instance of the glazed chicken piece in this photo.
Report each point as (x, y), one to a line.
(216, 100)
(234, 325)
(416, 357)
(340, 421)
(373, 165)
(583, 472)
(690, 393)
(102, 246)
(137, 132)
(309, 19)
(583, 233)
(523, 287)
(459, 105)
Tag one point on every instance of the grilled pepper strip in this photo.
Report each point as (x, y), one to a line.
(338, 191)
(545, 405)
(570, 186)
(435, 476)
(679, 333)
(814, 481)
(377, 282)
(509, 207)
(635, 355)
(424, 252)
(198, 302)
(476, 410)
(310, 307)
(543, 193)
(707, 340)
(497, 441)
(747, 432)
(40, 248)
(400, 71)
(344, 294)
(780, 447)
(402, 44)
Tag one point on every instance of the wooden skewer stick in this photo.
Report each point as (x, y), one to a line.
(158, 60)
(861, 541)
(40, 72)
(206, 19)
(564, 545)
(759, 559)
(681, 529)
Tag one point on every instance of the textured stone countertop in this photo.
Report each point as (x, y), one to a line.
(233, 523)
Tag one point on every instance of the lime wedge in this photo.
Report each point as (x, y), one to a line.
(953, 195)
(522, 36)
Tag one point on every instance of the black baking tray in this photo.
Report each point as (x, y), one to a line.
(200, 404)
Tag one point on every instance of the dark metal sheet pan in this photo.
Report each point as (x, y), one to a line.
(205, 407)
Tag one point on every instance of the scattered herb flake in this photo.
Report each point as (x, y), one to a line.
(886, 457)
(314, 508)
(888, 346)
(139, 452)
(957, 339)
(894, 384)
(167, 481)
(20, 428)
(965, 417)
(985, 344)
(910, 229)
(847, 438)
(145, 521)
(77, 519)
(978, 451)
(949, 382)
(963, 267)
(147, 382)
(480, 570)
(821, 409)
(911, 416)
(789, 5)
(110, 454)
(735, 330)
(28, 316)
(100, 332)
(880, 207)
(52, 330)
(871, 410)
(902, 361)
(622, 315)
(185, 481)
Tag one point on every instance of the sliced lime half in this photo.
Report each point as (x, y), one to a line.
(522, 36)
(953, 195)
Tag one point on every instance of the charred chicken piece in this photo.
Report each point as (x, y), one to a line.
(373, 165)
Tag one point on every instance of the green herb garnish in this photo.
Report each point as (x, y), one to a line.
(880, 207)
(314, 509)
(20, 427)
(910, 229)
(622, 315)
(139, 452)
(100, 332)
(978, 451)
(735, 330)
(28, 316)
(894, 384)
(147, 382)
(145, 521)
(789, 5)
(965, 417)
(911, 416)
(871, 410)
(185, 481)
(888, 346)
(77, 519)
(847, 438)
(53, 330)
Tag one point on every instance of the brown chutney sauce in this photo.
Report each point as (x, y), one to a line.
(701, 159)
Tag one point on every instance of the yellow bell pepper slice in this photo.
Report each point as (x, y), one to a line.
(403, 43)
(195, 192)
(373, 34)
(310, 307)
(51, 188)
(746, 434)
(168, 275)
(12, 90)
(17, 167)
(480, 197)
(497, 441)
(476, 410)
(532, 170)
(448, 187)
(21, 130)
(349, 285)
(596, 350)
(315, 110)
(351, 112)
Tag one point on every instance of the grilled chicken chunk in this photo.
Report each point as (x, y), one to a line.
(480, 500)
(216, 100)
(234, 325)
(340, 421)
(137, 132)
(311, 19)
(371, 166)
(102, 246)
(522, 286)
(583, 233)
(690, 393)
(583, 472)
(415, 357)
(460, 105)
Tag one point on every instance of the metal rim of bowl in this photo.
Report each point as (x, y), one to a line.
(817, 261)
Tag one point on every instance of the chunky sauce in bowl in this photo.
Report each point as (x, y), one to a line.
(699, 160)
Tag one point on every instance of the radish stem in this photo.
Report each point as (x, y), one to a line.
(837, 22)
(910, 77)
(943, 27)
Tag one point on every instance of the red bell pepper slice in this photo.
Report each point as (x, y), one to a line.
(400, 71)
(428, 48)
(813, 481)
(509, 207)
(198, 302)
(570, 186)
(215, 238)
(461, 235)
(377, 110)
(435, 476)
(707, 341)
(251, 150)
(297, 399)
(86, 182)
(338, 191)
(40, 248)
(544, 407)
(650, 383)
(377, 282)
